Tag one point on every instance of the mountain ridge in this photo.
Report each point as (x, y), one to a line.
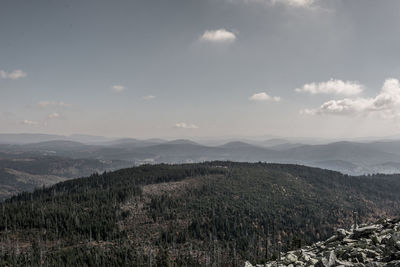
(172, 210)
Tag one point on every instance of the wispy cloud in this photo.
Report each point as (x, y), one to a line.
(294, 3)
(263, 96)
(54, 115)
(45, 104)
(184, 125)
(13, 75)
(306, 4)
(148, 97)
(218, 36)
(332, 86)
(118, 88)
(386, 103)
(29, 122)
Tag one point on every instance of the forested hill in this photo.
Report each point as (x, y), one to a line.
(191, 214)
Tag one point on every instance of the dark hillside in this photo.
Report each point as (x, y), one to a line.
(193, 214)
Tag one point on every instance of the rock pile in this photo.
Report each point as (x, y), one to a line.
(371, 245)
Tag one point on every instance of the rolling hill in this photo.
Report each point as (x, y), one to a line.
(192, 214)
(27, 172)
(354, 158)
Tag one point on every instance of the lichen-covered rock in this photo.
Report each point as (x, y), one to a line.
(290, 258)
(393, 264)
(366, 231)
(341, 233)
(376, 239)
(374, 245)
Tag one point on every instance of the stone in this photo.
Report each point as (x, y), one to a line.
(341, 233)
(322, 263)
(299, 263)
(349, 240)
(393, 264)
(361, 257)
(376, 239)
(305, 257)
(312, 261)
(396, 237)
(375, 245)
(374, 264)
(331, 239)
(365, 231)
(343, 263)
(290, 258)
(328, 261)
(371, 253)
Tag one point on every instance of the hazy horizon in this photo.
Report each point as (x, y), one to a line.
(211, 140)
(201, 69)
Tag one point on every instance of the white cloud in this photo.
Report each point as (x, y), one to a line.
(14, 75)
(184, 125)
(29, 122)
(44, 104)
(294, 3)
(118, 88)
(54, 115)
(148, 97)
(332, 87)
(307, 4)
(386, 103)
(263, 96)
(218, 36)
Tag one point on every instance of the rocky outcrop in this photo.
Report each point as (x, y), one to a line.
(374, 245)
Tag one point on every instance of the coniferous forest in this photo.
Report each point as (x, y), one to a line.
(206, 214)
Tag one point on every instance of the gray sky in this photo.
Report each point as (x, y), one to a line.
(200, 68)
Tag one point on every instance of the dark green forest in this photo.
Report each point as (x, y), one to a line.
(213, 213)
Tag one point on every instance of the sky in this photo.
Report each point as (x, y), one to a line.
(200, 68)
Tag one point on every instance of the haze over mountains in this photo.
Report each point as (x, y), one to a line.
(350, 157)
(28, 161)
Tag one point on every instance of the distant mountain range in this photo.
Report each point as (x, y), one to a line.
(25, 138)
(348, 157)
(27, 153)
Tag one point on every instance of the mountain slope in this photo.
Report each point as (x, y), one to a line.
(216, 212)
(27, 172)
(14, 182)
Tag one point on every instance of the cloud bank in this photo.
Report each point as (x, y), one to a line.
(386, 103)
(332, 86)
